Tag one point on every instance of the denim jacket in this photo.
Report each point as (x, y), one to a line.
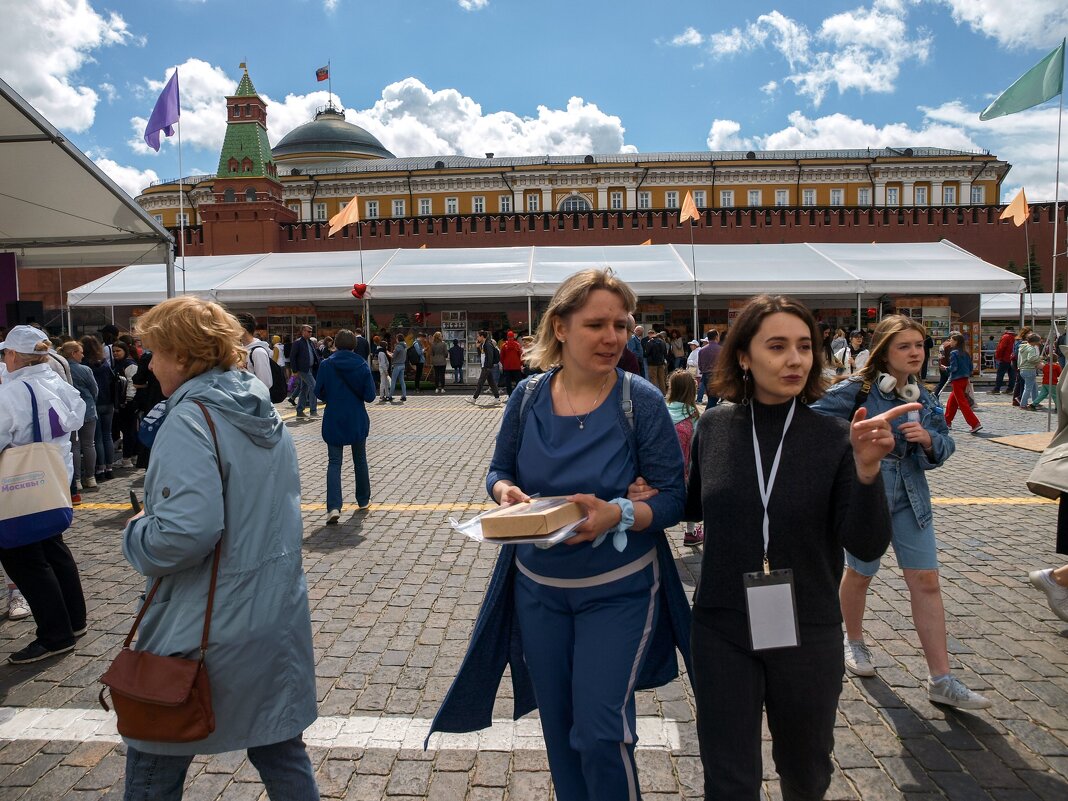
(907, 460)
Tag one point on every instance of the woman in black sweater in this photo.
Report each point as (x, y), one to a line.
(821, 479)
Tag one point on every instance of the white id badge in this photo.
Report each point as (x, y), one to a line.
(769, 601)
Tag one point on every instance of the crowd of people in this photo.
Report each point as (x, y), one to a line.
(829, 437)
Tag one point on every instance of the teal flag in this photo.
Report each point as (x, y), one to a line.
(1038, 84)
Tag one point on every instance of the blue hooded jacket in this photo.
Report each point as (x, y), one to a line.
(345, 384)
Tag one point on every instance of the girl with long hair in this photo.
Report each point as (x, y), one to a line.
(960, 372)
(889, 381)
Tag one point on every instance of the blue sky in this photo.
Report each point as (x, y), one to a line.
(546, 76)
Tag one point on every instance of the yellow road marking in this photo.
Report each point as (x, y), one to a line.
(460, 506)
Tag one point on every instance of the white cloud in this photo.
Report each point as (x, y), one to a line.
(690, 37)
(130, 179)
(1035, 23)
(473, 5)
(860, 50)
(1027, 140)
(329, 6)
(44, 43)
(770, 88)
(110, 92)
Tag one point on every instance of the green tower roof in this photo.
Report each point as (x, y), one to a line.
(245, 88)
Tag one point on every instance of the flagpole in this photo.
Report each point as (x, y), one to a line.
(693, 262)
(181, 202)
(1056, 220)
(330, 91)
(1027, 261)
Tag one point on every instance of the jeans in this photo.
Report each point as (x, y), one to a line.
(702, 387)
(383, 383)
(86, 465)
(105, 446)
(1027, 395)
(398, 380)
(47, 575)
(1004, 369)
(457, 375)
(284, 769)
(307, 393)
(798, 688)
(943, 379)
(335, 455)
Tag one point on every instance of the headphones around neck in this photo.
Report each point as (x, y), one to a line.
(888, 384)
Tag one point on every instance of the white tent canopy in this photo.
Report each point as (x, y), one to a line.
(1006, 306)
(660, 271)
(57, 209)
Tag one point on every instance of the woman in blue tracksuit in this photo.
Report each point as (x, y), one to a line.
(890, 379)
(587, 622)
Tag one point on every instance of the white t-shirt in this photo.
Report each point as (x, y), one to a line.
(259, 353)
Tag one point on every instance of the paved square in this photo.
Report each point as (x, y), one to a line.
(394, 593)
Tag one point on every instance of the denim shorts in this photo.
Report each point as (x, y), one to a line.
(914, 545)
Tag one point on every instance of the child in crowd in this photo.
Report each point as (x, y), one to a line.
(682, 404)
(1051, 374)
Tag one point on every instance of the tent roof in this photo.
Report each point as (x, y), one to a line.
(1006, 306)
(57, 208)
(662, 271)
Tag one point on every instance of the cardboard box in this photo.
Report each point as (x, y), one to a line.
(540, 516)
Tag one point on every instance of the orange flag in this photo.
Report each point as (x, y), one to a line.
(1017, 210)
(647, 242)
(422, 247)
(689, 209)
(348, 215)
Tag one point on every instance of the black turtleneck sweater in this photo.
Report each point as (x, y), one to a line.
(817, 506)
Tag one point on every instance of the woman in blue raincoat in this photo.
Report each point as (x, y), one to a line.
(259, 658)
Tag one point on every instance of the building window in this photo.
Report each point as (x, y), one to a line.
(320, 211)
(229, 196)
(575, 203)
(893, 196)
(372, 210)
(158, 218)
(978, 195)
(808, 197)
(726, 198)
(864, 196)
(782, 197)
(949, 195)
(754, 197)
(478, 205)
(182, 219)
(615, 201)
(645, 200)
(699, 198)
(504, 204)
(398, 208)
(836, 197)
(921, 196)
(250, 195)
(533, 202)
(452, 205)
(671, 200)
(425, 207)
(295, 208)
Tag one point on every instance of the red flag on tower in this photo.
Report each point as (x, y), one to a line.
(322, 73)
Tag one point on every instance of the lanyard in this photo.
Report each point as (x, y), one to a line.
(765, 491)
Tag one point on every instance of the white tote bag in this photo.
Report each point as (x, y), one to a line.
(35, 501)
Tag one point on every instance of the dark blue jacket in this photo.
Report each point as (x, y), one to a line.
(303, 356)
(345, 383)
(496, 641)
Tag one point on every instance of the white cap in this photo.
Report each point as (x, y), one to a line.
(694, 342)
(23, 339)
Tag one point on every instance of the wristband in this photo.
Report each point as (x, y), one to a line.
(619, 537)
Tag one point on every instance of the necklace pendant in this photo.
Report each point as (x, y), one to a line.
(582, 425)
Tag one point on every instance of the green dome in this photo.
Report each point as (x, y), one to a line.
(329, 133)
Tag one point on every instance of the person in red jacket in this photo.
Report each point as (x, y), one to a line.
(511, 362)
(1003, 360)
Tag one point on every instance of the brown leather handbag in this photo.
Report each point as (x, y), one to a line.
(164, 699)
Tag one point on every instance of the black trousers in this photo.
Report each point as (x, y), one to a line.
(799, 688)
(511, 379)
(486, 374)
(439, 376)
(46, 574)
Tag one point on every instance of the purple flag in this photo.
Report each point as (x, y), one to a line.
(165, 114)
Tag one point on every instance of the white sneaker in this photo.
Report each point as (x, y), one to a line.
(473, 401)
(89, 482)
(858, 658)
(127, 463)
(17, 608)
(1056, 595)
(951, 691)
(332, 517)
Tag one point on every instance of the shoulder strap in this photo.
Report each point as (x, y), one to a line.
(862, 397)
(528, 392)
(214, 561)
(36, 420)
(625, 402)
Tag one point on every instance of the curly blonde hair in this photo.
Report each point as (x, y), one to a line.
(201, 333)
(570, 296)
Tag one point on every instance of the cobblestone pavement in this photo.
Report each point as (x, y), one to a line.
(394, 594)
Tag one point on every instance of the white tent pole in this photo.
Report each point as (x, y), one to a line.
(859, 301)
(530, 317)
(170, 277)
(113, 308)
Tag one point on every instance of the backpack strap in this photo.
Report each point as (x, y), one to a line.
(862, 397)
(528, 392)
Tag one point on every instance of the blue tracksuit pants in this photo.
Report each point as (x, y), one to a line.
(584, 643)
